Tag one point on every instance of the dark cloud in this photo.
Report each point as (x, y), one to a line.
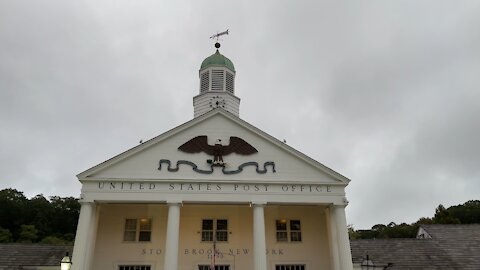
(382, 92)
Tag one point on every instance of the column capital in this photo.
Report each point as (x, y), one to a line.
(344, 202)
(174, 202)
(258, 203)
(83, 201)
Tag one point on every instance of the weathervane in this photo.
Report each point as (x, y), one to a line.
(217, 35)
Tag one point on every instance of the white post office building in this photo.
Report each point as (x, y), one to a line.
(213, 193)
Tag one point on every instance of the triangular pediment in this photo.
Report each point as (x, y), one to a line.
(160, 159)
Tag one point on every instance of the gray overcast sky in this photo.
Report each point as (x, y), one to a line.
(384, 92)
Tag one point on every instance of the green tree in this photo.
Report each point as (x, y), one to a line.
(40, 213)
(28, 234)
(65, 215)
(54, 240)
(443, 216)
(352, 234)
(5, 236)
(424, 220)
(12, 210)
(466, 213)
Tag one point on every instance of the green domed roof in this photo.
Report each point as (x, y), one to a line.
(217, 59)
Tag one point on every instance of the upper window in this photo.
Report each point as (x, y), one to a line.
(215, 230)
(288, 230)
(134, 267)
(217, 267)
(137, 230)
(290, 267)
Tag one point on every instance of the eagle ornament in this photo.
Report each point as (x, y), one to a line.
(200, 144)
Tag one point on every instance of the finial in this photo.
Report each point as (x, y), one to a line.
(217, 45)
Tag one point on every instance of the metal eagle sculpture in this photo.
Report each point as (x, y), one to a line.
(200, 144)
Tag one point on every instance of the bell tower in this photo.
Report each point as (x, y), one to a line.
(217, 85)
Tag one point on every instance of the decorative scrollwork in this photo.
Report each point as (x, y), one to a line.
(196, 169)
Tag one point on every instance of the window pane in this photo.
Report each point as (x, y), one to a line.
(129, 236)
(222, 236)
(134, 267)
(130, 224)
(295, 225)
(207, 235)
(295, 236)
(207, 224)
(222, 224)
(144, 236)
(281, 225)
(145, 224)
(281, 236)
(290, 267)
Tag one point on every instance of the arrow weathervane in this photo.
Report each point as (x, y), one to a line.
(217, 35)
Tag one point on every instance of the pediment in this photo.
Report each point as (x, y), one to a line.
(160, 159)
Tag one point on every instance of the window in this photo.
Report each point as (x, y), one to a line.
(217, 267)
(215, 227)
(134, 267)
(290, 267)
(288, 230)
(137, 230)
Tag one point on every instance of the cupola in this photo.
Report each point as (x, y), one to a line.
(217, 85)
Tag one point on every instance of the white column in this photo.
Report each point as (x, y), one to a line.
(83, 237)
(344, 251)
(332, 238)
(259, 241)
(93, 235)
(173, 235)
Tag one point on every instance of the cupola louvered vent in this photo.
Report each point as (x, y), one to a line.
(217, 80)
(204, 82)
(229, 82)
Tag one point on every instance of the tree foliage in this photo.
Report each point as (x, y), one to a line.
(466, 213)
(37, 219)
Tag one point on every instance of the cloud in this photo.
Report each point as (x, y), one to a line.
(382, 92)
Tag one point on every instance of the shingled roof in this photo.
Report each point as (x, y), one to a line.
(445, 247)
(461, 243)
(27, 256)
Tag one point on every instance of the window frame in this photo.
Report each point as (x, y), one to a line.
(138, 230)
(288, 234)
(217, 266)
(290, 266)
(139, 266)
(214, 232)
